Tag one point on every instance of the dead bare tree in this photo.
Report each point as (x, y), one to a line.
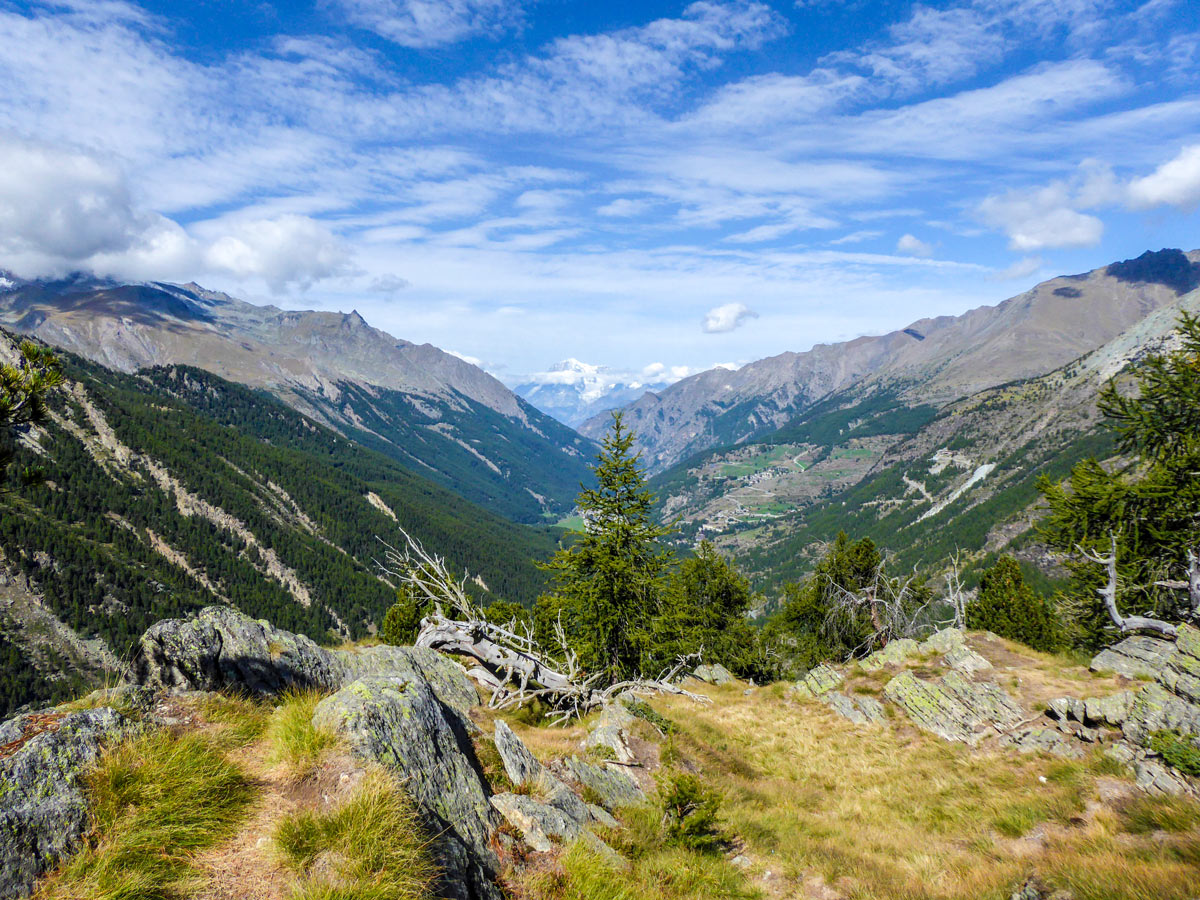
(509, 661)
(955, 594)
(1108, 593)
(890, 604)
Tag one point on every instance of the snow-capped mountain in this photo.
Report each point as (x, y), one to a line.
(573, 391)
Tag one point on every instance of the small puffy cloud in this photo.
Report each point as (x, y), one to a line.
(1041, 217)
(1174, 183)
(434, 23)
(623, 208)
(1022, 268)
(285, 250)
(389, 285)
(721, 319)
(659, 373)
(472, 360)
(914, 246)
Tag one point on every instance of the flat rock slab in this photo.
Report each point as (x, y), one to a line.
(860, 710)
(43, 810)
(714, 674)
(398, 722)
(966, 660)
(953, 707)
(818, 681)
(1139, 656)
(612, 789)
(893, 654)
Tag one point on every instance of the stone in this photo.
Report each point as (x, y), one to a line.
(944, 641)
(538, 822)
(1043, 740)
(953, 708)
(1139, 656)
(398, 722)
(1059, 708)
(818, 681)
(966, 660)
(519, 763)
(1155, 777)
(611, 731)
(612, 789)
(714, 673)
(1154, 708)
(224, 649)
(859, 710)
(1112, 710)
(43, 810)
(893, 654)
(1181, 674)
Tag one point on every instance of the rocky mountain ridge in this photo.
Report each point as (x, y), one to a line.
(933, 361)
(574, 391)
(424, 407)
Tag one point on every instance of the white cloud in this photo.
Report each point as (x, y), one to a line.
(914, 246)
(624, 207)
(473, 360)
(1041, 217)
(433, 23)
(727, 317)
(856, 237)
(283, 251)
(1174, 183)
(763, 233)
(1022, 268)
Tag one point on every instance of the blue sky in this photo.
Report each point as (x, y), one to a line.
(654, 184)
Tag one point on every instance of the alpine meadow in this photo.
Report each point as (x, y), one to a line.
(515, 450)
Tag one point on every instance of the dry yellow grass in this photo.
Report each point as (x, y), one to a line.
(886, 814)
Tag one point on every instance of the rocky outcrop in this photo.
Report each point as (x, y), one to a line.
(1172, 701)
(398, 721)
(953, 707)
(818, 681)
(611, 788)
(714, 674)
(861, 710)
(223, 649)
(1139, 656)
(893, 654)
(43, 811)
(610, 734)
(966, 660)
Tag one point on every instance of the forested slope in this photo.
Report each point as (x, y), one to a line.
(172, 489)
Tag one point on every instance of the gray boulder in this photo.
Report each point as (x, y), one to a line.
(859, 710)
(943, 641)
(714, 674)
(953, 707)
(398, 721)
(610, 734)
(1140, 656)
(966, 660)
(43, 810)
(520, 764)
(893, 654)
(818, 681)
(222, 649)
(611, 788)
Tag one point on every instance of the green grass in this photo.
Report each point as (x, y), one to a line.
(155, 802)
(1145, 815)
(294, 742)
(244, 719)
(654, 870)
(369, 848)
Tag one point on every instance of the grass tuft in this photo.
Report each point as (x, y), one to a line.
(244, 718)
(155, 801)
(1146, 815)
(295, 743)
(369, 848)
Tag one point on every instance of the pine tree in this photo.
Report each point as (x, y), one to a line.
(1011, 608)
(1149, 504)
(607, 583)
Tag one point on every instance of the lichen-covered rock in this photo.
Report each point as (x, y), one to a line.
(543, 825)
(612, 789)
(1112, 710)
(1043, 740)
(521, 765)
(943, 641)
(818, 681)
(1154, 708)
(953, 708)
(43, 811)
(611, 732)
(1140, 656)
(859, 710)
(222, 648)
(1181, 674)
(398, 721)
(1155, 777)
(964, 659)
(893, 654)
(714, 674)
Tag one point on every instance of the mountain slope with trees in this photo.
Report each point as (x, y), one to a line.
(173, 489)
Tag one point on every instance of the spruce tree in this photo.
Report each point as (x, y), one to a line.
(607, 581)
(1011, 608)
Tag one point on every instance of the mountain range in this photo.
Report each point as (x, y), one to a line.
(574, 391)
(426, 408)
(932, 361)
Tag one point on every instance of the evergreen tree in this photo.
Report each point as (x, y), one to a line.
(1011, 608)
(1150, 503)
(607, 583)
(23, 391)
(704, 608)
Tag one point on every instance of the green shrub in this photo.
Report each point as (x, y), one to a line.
(1009, 607)
(1177, 750)
(643, 710)
(403, 620)
(690, 811)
